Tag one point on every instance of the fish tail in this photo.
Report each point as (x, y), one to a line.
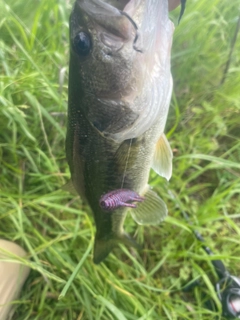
(102, 247)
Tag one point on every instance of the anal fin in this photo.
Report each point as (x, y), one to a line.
(162, 160)
(151, 211)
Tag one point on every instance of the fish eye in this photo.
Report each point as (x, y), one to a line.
(82, 44)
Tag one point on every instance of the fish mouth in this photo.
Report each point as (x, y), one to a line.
(114, 20)
(119, 4)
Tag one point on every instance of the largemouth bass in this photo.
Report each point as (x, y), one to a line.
(120, 86)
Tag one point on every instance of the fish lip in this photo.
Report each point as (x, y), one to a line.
(114, 25)
(114, 43)
(132, 6)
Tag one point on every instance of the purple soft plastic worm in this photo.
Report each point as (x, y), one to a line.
(119, 198)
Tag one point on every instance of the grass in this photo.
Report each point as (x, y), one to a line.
(55, 228)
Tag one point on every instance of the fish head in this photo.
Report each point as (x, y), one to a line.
(120, 64)
(102, 48)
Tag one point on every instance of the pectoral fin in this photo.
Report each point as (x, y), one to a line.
(162, 160)
(152, 210)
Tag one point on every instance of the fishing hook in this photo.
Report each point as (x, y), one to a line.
(135, 27)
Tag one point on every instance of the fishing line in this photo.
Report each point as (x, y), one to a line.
(125, 169)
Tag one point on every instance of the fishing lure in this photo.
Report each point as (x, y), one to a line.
(119, 198)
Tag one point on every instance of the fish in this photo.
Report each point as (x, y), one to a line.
(119, 92)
